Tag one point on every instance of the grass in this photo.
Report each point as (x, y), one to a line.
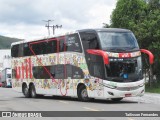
(154, 89)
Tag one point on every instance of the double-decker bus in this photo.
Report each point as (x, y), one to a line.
(90, 63)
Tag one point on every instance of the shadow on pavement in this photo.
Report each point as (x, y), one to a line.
(76, 100)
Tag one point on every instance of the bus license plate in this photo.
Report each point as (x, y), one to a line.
(128, 95)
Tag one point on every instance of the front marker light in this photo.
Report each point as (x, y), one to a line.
(141, 85)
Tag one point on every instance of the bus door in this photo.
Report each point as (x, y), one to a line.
(94, 62)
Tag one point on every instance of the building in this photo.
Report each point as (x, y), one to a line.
(5, 59)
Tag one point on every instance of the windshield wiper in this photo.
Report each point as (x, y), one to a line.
(117, 49)
(131, 48)
(123, 49)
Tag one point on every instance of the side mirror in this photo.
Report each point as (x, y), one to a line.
(151, 56)
(100, 53)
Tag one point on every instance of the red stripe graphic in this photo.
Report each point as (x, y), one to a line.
(48, 72)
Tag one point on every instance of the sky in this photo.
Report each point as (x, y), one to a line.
(24, 18)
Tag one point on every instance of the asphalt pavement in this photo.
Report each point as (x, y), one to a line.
(11, 100)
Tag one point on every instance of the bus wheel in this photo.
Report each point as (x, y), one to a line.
(26, 91)
(116, 99)
(82, 94)
(33, 91)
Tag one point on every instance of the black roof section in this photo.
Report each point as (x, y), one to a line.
(106, 29)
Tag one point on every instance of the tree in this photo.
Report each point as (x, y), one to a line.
(153, 20)
(143, 18)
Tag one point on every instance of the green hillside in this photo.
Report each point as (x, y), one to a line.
(5, 42)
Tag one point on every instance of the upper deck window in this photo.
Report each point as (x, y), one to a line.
(59, 44)
(70, 43)
(45, 47)
(89, 40)
(14, 51)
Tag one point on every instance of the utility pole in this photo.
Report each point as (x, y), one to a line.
(53, 26)
(47, 25)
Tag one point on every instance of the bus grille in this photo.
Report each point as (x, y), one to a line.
(127, 88)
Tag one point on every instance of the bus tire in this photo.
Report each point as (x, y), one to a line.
(82, 94)
(116, 99)
(26, 91)
(32, 91)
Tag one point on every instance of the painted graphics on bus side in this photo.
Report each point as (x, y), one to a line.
(24, 69)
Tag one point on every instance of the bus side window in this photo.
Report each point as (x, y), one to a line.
(77, 73)
(90, 39)
(93, 44)
(61, 46)
(26, 50)
(59, 72)
(14, 50)
(95, 63)
(73, 43)
(60, 43)
(74, 72)
(17, 50)
(39, 72)
(44, 47)
(69, 71)
(38, 48)
(20, 50)
(97, 69)
(51, 47)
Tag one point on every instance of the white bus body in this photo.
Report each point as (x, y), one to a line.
(61, 65)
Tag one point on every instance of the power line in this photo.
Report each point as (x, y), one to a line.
(55, 27)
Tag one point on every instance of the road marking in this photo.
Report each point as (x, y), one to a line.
(90, 109)
(63, 102)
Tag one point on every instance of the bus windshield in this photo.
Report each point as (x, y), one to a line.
(118, 41)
